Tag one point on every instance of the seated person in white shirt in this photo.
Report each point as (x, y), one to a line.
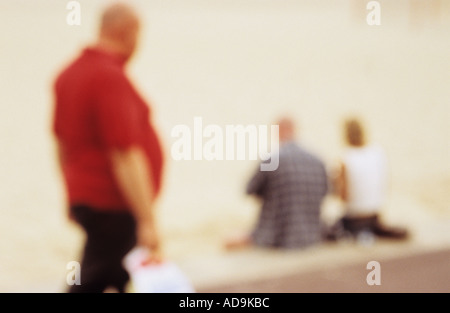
(361, 184)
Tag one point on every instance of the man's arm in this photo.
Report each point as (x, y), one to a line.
(59, 154)
(134, 179)
(257, 183)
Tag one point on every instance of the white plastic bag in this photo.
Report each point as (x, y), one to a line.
(155, 278)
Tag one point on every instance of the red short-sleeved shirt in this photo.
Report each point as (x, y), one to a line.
(98, 109)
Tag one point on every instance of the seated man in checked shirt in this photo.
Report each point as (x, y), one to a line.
(291, 198)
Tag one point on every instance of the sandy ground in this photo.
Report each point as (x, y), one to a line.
(418, 273)
(232, 62)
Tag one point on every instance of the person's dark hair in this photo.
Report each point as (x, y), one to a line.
(354, 133)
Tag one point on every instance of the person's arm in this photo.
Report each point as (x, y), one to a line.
(257, 183)
(59, 155)
(132, 173)
(341, 184)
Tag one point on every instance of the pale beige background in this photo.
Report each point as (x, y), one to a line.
(231, 62)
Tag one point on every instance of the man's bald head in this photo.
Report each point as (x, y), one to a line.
(286, 129)
(119, 28)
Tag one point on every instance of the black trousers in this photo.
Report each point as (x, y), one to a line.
(354, 225)
(373, 224)
(109, 237)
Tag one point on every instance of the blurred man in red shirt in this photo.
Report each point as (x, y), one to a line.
(110, 155)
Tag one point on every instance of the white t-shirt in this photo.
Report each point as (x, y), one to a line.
(366, 172)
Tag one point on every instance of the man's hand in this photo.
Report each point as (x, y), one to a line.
(148, 237)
